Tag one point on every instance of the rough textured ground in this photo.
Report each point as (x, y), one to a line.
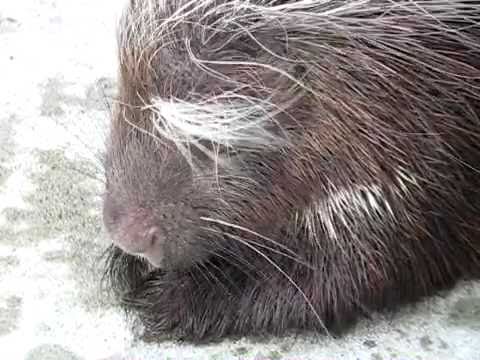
(57, 66)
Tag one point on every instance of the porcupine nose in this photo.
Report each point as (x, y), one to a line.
(161, 235)
(137, 232)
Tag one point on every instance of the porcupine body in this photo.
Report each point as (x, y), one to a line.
(279, 166)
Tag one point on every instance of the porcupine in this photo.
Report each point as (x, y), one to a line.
(277, 166)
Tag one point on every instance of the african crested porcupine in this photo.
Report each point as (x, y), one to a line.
(277, 166)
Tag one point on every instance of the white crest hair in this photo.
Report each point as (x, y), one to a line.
(232, 123)
(358, 205)
(348, 207)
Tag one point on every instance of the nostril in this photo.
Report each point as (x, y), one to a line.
(145, 243)
(152, 238)
(154, 245)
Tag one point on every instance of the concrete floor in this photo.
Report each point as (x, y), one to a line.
(57, 65)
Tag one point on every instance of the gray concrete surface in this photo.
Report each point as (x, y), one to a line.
(57, 61)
